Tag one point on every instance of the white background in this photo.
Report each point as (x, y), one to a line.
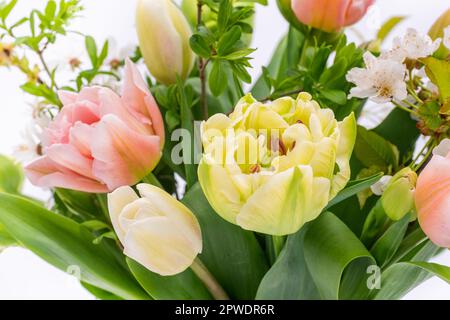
(25, 276)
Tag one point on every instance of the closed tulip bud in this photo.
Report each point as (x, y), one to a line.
(164, 34)
(273, 167)
(398, 198)
(437, 31)
(156, 230)
(329, 15)
(433, 196)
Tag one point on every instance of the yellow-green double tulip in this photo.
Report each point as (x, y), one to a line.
(273, 167)
(156, 230)
(164, 33)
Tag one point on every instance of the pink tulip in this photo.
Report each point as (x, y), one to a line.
(432, 199)
(330, 15)
(100, 140)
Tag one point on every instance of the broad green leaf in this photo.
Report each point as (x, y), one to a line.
(439, 73)
(400, 129)
(183, 286)
(11, 175)
(100, 293)
(228, 40)
(66, 244)
(231, 254)
(330, 248)
(200, 46)
(386, 246)
(398, 279)
(289, 278)
(388, 26)
(218, 77)
(412, 240)
(372, 149)
(85, 205)
(336, 96)
(374, 224)
(6, 240)
(353, 187)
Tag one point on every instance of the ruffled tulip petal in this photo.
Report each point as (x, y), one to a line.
(289, 193)
(121, 155)
(159, 245)
(117, 201)
(68, 156)
(223, 196)
(432, 198)
(46, 173)
(347, 138)
(140, 101)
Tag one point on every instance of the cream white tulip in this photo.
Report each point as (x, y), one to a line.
(156, 230)
(164, 33)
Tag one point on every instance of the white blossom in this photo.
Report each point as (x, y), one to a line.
(381, 80)
(380, 186)
(443, 149)
(446, 39)
(413, 45)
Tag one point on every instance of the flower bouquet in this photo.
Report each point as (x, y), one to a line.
(172, 177)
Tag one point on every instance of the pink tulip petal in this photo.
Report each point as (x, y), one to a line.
(432, 198)
(67, 97)
(122, 156)
(356, 11)
(45, 173)
(140, 100)
(66, 155)
(81, 136)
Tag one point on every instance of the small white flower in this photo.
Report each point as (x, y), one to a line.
(31, 147)
(117, 54)
(380, 186)
(381, 80)
(446, 39)
(413, 45)
(443, 149)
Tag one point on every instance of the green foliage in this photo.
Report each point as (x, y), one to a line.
(231, 254)
(224, 45)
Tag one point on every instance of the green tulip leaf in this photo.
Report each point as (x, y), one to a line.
(66, 244)
(354, 187)
(336, 259)
(11, 175)
(439, 73)
(386, 246)
(231, 254)
(399, 278)
(289, 278)
(182, 286)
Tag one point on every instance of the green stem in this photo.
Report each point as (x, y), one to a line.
(426, 156)
(151, 179)
(398, 105)
(208, 280)
(278, 244)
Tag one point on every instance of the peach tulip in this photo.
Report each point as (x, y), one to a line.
(100, 141)
(330, 15)
(432, 197)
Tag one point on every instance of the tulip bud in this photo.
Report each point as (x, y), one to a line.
(164, 34)
(398, 198)
(437, 31)
(273, 167)
(156, 230)
(329, 15)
